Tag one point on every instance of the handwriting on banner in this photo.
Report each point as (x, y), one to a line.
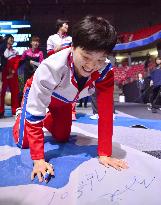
(131, 186)
(91, 181)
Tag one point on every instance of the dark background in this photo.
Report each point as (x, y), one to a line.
(125, 15)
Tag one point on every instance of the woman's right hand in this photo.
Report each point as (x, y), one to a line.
(40, 169)
(31, 62)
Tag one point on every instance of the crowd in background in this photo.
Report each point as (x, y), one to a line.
(11, 62)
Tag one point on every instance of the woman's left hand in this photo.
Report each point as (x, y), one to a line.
(113, 162)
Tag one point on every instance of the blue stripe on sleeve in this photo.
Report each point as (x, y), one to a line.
(62, 98)
(22, 119)
(104, 72)
(33, 118)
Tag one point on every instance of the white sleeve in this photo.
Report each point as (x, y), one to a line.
(50, 45)
(45, 79)
(52, 42)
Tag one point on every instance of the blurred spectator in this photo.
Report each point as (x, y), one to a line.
(85, 100)
(147, 60)
(32, 58)
(156, 83)
(60, 40)
(141, 87)
(9, 75)
(131, 37)
(3, 44)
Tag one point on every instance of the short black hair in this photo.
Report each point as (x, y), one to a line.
(35, 38)
(7, 36)
(93, 33)
(60, 22)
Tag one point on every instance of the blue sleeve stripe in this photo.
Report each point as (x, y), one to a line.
(22, 119)
(104, 72)
(66, 44)
(33, 118)
(61, 98)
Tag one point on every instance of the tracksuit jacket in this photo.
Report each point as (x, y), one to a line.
(53, 85)
(57, 39)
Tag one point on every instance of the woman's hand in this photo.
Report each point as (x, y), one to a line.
(40, 169)
(31, 62)
(113, 162)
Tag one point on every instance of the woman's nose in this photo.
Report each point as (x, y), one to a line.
(90, 65)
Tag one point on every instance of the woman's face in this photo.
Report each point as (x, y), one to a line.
(140, 75)
(35, 44)
(87, 62)
(158, 61)
(10, 41)
(64, 28)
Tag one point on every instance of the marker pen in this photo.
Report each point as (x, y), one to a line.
(47, 175)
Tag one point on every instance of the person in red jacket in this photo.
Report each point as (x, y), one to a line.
(10, 76)
(64, 78)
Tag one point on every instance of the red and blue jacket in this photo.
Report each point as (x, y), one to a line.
(55, 78)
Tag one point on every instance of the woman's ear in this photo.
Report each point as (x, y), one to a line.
(72, 48)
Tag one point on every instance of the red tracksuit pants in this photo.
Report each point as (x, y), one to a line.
(57, 121)
(12, 83)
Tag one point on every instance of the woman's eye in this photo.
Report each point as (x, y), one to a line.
(101, 61)
(86, 58)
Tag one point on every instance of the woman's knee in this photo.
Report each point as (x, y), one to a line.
(62, 136)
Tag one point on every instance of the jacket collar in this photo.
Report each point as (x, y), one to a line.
(94, 76)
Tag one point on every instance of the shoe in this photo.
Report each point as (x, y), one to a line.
(74, 117)
(94, 117)
(1, 115)
(149, 108)
(79, 105)
(154, 110)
